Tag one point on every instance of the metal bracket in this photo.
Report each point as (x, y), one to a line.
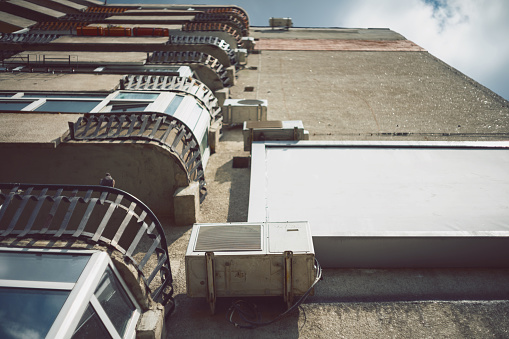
(211, 288)
(288, 287)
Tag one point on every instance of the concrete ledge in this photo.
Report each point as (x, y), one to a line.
(186, 204)
(230, 71)
(214, 135)
(151, 324)
(222, 95)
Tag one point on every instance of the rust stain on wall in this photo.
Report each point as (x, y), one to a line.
(337, 45)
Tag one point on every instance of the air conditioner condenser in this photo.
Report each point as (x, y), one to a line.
(236, 111)
(250, 259)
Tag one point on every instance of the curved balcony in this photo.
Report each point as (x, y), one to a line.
(100, 215)
(166, 130)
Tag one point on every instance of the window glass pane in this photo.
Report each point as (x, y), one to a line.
(41, 267)
(115, 301)
(26, 313)
(119, 108)
(67, 106)
(174, 104)
(204, 142)
(13, 105)
(90, 326)
(60, 95)
(6, 95)
(135, 96)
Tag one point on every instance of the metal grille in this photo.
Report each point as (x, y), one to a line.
(164, 129)
(95, 214)
(225, 18)
(209, 40)
(196, 58)
(187, 85)
(212, 26)
(28, 38)
(229, 238)
(236, 12)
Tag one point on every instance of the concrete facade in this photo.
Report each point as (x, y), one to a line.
(343, 84)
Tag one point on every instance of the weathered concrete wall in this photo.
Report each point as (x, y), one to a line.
(147, 171)
(58, 82)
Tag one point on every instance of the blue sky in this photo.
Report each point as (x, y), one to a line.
(470, 35)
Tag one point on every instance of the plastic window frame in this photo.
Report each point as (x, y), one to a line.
(82, 293)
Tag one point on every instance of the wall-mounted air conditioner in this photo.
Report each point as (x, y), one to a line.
(236, 111)
(250, 259)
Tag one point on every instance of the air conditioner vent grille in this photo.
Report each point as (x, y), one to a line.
(229, 238)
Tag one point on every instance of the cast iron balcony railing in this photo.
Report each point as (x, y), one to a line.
(95, 214)
(187, 85)
(164, 129)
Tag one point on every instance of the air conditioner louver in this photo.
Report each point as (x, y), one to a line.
(229, 238)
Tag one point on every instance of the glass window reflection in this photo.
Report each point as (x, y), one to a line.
(114, 300)
(13, 105)
(90, 326)
(41, 266)
(136, 96)
(27, 313)
(174, 104)
(71, 106)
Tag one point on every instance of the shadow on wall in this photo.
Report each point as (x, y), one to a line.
(146, 171)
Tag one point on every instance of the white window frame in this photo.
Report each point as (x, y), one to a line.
(81, 293)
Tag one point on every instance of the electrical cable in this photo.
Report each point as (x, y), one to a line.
(249, 314)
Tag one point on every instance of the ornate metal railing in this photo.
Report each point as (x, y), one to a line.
(204, 40)
(169, 132)
(213, 26)
(226, 18)
(187, 85)
(183, 58)
(28, 38)
(235, 12)
(96, 214)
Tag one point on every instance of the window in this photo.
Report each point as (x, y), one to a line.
(204, 142)
(174, 104)
(61, 95)
(29, 313)
(63, 293)
(137, 95)
(13, 105)
(41, 267)
(114, 301)
(76, 106)
(120, 107)
(90, 326)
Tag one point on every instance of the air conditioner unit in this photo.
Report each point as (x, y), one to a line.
(281, 22)
(248, 42)
(250, 259)
(236, 111)
(241, 55)
(292, 130)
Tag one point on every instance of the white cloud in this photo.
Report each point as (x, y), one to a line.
(470, 35)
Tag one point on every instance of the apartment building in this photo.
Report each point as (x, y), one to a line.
(156, 96)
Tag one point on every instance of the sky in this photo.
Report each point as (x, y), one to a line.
(470, 35)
